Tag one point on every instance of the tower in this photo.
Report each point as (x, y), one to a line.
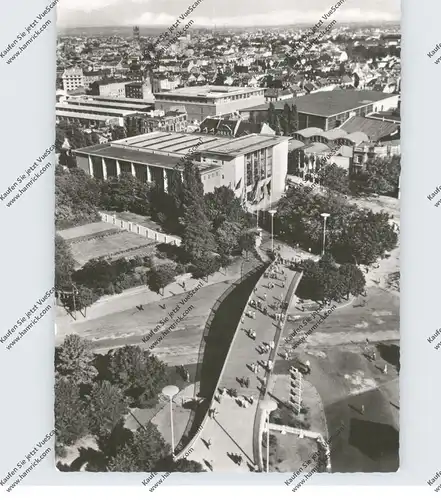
(136, 33)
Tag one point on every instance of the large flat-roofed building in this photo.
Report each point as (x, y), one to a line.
(328, 110)
(116, 103)
(91, 115)
(253, 166)
(91, 111)
(209, 100)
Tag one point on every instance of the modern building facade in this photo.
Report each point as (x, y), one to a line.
(253, 166)
(209, 100)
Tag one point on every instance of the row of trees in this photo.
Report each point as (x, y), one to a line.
(353, 235)
(284, 122)
(379, 176)
(101, 276)
(94, 394)
(213, 226)
(325, 281)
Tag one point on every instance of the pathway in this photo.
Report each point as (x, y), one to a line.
(231, 430)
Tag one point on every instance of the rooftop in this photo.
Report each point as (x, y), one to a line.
(166, 148)
(87, 116)
(208, 91)
(374, 129)
(80, 101)
(329, 103)
(91, 109)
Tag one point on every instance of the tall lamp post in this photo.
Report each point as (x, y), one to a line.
(272, 212)
(170, 391)
(268, 405)
(325, 216)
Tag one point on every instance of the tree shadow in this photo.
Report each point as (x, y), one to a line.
(390, 353)
(374, 439)
(94, 458)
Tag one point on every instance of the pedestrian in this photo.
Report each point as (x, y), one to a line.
(251, 399)
(385, 369)
(253, 314)
(265, 310)
(264, 296)
(259, 305)
(362, 409)
(209, 443)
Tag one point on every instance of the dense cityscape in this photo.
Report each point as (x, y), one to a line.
(227, 248)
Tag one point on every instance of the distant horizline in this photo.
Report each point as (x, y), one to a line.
(224, 26)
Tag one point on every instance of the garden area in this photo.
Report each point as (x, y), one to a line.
(94, 394)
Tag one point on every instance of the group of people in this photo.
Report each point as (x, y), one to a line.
(244, 382)
(184, 373)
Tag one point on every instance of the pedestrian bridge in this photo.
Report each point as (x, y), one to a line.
(245, 375)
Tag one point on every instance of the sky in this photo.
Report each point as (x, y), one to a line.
(83, 13)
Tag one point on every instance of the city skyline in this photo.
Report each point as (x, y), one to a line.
(104, 13)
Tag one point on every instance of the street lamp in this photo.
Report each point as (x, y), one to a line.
(170, 391)
(325, 216)
(268, 405)
(272, 212)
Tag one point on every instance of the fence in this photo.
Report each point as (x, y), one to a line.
(141, 230)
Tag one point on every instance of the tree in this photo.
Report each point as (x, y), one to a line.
(74, 360)
(60, 136)
(356, 80)
(79, 298)
(247, 241)
(143, 453)
(205, 265)
(76, 196)
(272, 118)
(197, 238)
(365, 237)
(223, 205)
(70, 413)
(127, 193)
(380, 176)
(352, 279)
(294, 119)
(138, 373)
(227, 238)
(64, 264)
(192, 187)
(118, 132)
(334, 177)
(161, 276)
(107, 405)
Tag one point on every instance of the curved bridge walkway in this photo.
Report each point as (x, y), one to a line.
(230, 431)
